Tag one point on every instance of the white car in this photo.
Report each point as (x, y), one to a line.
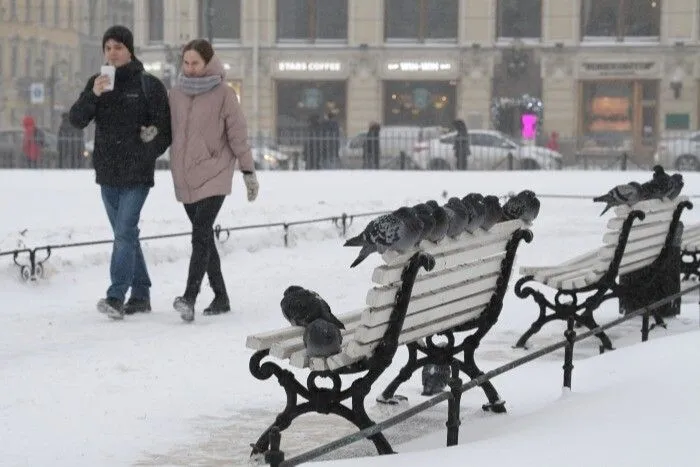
(267, 158)
(680, 153)
(490, 150)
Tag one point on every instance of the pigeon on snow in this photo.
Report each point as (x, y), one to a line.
(628, 194)
(435, 377)
(322, 339)
(494, 212)
(474, 202)
(441, 221)
(398, 231)
(302, 306)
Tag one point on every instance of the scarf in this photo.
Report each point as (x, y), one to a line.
(198, 85)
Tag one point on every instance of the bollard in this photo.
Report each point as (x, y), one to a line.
(623, 161)
(402, 160)
(510, 161)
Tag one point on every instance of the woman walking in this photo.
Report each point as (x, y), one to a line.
(210, 134)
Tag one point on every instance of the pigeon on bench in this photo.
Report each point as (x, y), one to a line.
(441, 221)
(676, 185)
(524, 206)
(425, 214)
(322, 339)
(629, 194)
(661, 185)
(398, 231)
(302, 306)
(474, 202)
(494, 212)
(458, 216)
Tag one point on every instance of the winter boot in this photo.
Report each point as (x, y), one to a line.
(219, 305)
(112, 307)
(137, 305)
(185, 307)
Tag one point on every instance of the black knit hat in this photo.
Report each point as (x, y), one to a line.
(120, 34)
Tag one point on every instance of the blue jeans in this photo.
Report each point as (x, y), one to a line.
(127, 267)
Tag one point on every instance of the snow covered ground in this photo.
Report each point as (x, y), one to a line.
(79, 389)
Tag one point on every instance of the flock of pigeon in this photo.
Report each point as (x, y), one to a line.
(661, 185)
(406, 227)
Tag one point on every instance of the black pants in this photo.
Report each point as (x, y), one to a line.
(205, 258)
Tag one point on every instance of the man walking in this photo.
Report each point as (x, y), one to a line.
(132, 129)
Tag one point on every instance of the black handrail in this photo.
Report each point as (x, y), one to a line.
(569, 341)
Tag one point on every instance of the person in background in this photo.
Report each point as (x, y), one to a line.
(210, 134)
(132, 130)
(553, 141)
(331, 142)
(31, 142)
(371, 147)
(70, 144)
(461, 144)
(313, 147)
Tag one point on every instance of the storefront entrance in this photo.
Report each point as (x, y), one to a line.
(619, 115)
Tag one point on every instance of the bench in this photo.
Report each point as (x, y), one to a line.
(461, 289)
(584, 282)
(690, 252)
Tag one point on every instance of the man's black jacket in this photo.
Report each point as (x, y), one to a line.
(120, 158)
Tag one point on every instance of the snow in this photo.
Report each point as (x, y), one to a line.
(81, 390)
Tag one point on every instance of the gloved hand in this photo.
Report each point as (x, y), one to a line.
(251, 185)
(148, 133)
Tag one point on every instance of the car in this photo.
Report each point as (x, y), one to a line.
(268, 158)
(490, 150)
(392, 141)
(680, 152)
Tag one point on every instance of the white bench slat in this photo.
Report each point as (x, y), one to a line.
(466, 240)
(615, 224)
(341, 360)
(355, 348)
(299, 359)
(477, 288)
(382, 296)
(637, 232)
(650, 205)
(385, 275)
(431, 316)
(284, 348)
(586, 258)
(691, 238)
(265, 340)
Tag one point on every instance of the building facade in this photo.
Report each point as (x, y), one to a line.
(48, 48)
(621, 68)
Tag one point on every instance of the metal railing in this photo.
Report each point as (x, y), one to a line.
(275, 456)
(399, 151)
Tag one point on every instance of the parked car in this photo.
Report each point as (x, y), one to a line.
(267, 158)
(11, 141)
(681, 152)
(489, 151)
(392, 141)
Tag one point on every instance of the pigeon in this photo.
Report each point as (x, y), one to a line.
(524, 206)
(628, 194)
(398, 231)
(474, 202)
(425, 214)
(435, 378)
(441, 221)
(659, 186)
(458, 215)
(322, 339)
(494, 212)
(302, 306)
(676, 186)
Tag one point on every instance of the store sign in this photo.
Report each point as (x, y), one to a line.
(419, 66)
(309, 66)
(618, 68)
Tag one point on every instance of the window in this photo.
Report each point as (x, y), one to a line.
(223, 20)
(300, 102)
(312, 20)
(519, 19)
(27, 11)
(423, 103)
(42, 12)
(155, 21)
(620, 19)
(14, 59)
(13, 10)
(421, 20)
(70, 15)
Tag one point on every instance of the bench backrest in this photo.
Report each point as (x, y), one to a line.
(455, 292)
(691, 238)
(646, 239)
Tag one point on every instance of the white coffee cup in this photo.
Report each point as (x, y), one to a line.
(108, 70)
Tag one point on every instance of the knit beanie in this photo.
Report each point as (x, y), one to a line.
(120, 34)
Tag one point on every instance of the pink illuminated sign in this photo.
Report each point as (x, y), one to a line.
(529, 125)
